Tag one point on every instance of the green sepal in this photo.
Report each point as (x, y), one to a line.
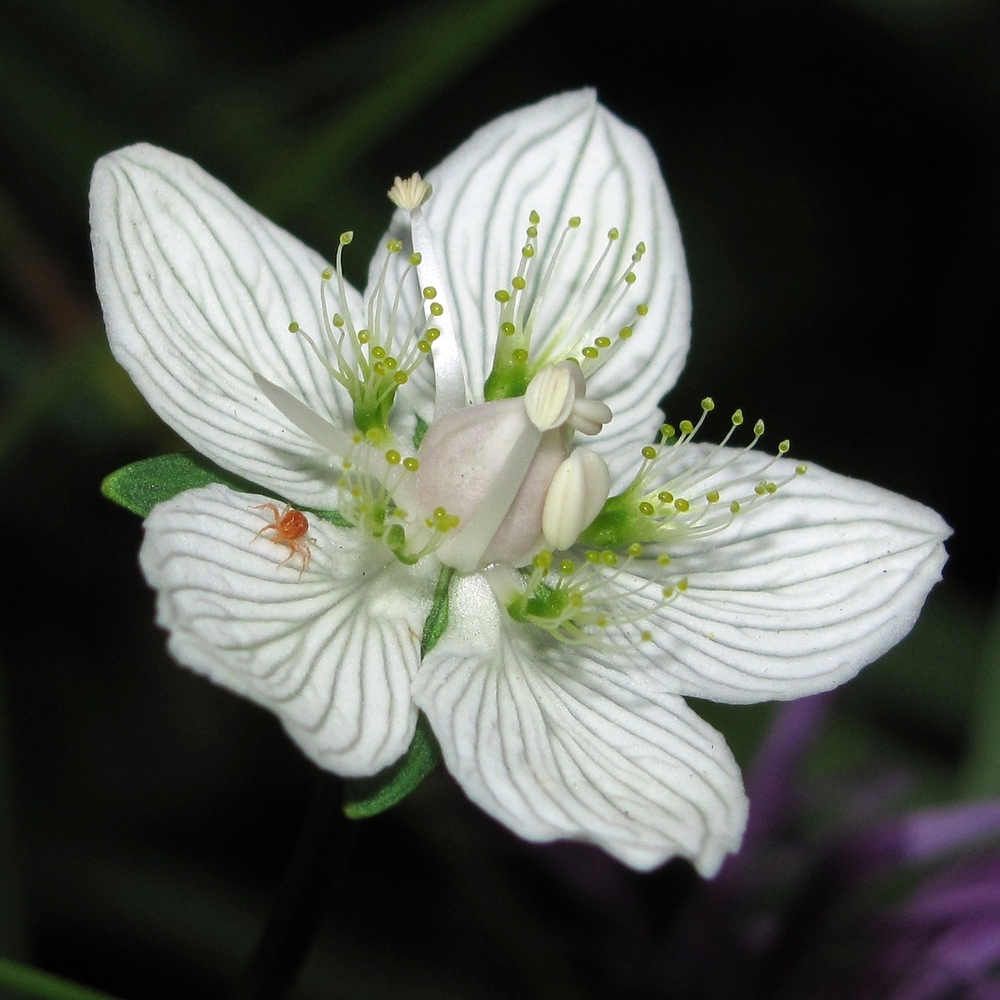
(333, 516)
(367, 797)
(437, 618)
(138, 487)
(419, 430)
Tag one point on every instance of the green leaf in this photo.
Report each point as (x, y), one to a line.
(366, 797)
(140, 486)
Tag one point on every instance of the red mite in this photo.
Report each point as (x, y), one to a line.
(289, 526)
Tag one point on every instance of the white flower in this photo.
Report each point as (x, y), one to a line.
(541, 269)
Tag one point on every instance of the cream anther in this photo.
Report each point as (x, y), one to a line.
(551, 394)
(589, 416)
(575, 497)
(411, 193)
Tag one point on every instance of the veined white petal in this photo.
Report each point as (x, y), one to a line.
(198, 291)
(793, 598)
(330, 650)
(555, 747)
(562, 157)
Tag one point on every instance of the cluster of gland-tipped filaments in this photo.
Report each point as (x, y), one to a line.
(366, 499)
(575, 600)
(438, 525)
(372, 361)
(520, 302)
(366, 492)
(675, 506)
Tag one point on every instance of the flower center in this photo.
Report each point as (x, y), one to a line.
(507, 471)
(499, 486)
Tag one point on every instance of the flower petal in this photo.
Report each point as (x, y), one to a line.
(198, 291)
(330, 650)
(562, 157)
(556, 746)
(795, 596)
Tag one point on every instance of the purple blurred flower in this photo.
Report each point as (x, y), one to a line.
(802, 912)
(944, 941)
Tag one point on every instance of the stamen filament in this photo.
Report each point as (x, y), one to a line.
(451, 383)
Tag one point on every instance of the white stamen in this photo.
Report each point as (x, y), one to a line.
(578, 491)
(451, 390)
(410, 193)
(319, 429)
(551, 394)
(589, 416)
(451, 384)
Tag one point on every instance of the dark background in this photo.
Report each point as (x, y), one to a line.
(834, 166)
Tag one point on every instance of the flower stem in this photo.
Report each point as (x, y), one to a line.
(318, 863)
